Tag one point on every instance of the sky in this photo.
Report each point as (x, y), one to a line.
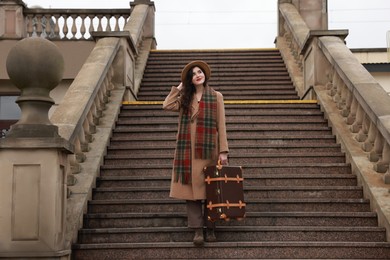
(216, 24)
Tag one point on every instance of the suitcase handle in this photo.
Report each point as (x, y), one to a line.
(219, 165)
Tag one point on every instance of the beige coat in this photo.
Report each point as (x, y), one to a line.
(197, 189)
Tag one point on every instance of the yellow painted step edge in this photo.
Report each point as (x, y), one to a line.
(232, 102)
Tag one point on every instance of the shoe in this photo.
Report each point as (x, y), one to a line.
(198, 238)
(210, 235)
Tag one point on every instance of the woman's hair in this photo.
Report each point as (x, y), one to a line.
(189, 90)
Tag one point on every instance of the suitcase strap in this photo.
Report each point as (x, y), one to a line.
(208, 180)
(228, 205)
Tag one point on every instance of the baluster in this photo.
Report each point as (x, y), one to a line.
(84, 146)
(73, 27)
(104, 89)
(57, 26)
(376, 152)
(87, 132)
(117, 17)
(111, 84)
(369, 143)
(65, 29)
(99, 27)
(108, 26)
(363, 133)
(98, 104)
(126, 20)
(95, 115)
(352, 115)
(79, 155)
(92, 125)
(91, 29)
(383, 164)
(38, 25)
(30, 26)
(332, 86)
(44, 26)
(355, 127)
(348, 103)
(48, 26)
(343, 97)
(101, 98)
(82, 28)
(386, 155)
(75, 166)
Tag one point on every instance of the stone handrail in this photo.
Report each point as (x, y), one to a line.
(78, 114)
(72, 24)
(90, 107)
(362, 102)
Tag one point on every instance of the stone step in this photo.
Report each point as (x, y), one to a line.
(98, 219)
(235, 136)
(225, 86)
(235, 250)
(250, 192)
(280, 130)
(292, 181)
(255, 122)
(284, 77)
(253, 205)
(159, 112)
(249, 141)
(166, 169)
(264, 107)
(231, 233)
(234, 97)
(232, 118)
(242, 159)
(238, 149)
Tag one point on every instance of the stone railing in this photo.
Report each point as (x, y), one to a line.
(72, 24)
(83, 104)
(323, 58)
(356, 106)
(90, 107)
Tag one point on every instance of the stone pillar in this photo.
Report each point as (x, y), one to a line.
(11, 19)
(313, 12)
(33, 159)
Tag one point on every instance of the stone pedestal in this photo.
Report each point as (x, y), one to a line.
(34, 159)
(33, 197)
(11, 19)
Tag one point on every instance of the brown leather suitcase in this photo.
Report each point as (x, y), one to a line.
(224, 192)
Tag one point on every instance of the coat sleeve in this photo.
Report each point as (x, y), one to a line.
(172, 101)
(221, 124)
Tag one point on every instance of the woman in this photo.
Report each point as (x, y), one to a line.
(201, 141)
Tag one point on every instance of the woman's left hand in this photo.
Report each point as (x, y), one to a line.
(223, 158)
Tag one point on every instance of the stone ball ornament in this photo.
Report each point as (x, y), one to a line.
(37, 64)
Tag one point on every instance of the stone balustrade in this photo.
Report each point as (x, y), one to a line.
(73, 24)
(322, 58)
(82, 107)
(362, 102)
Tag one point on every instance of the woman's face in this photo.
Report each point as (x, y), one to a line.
(198, 77)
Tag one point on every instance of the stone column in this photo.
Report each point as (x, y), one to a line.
(313, 12)
(33, 159)
(11, 19)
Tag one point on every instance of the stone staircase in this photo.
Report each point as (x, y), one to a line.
(302, 200)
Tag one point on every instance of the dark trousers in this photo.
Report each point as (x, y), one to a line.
(197, 214)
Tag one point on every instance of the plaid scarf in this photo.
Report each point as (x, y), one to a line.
(206, 129)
